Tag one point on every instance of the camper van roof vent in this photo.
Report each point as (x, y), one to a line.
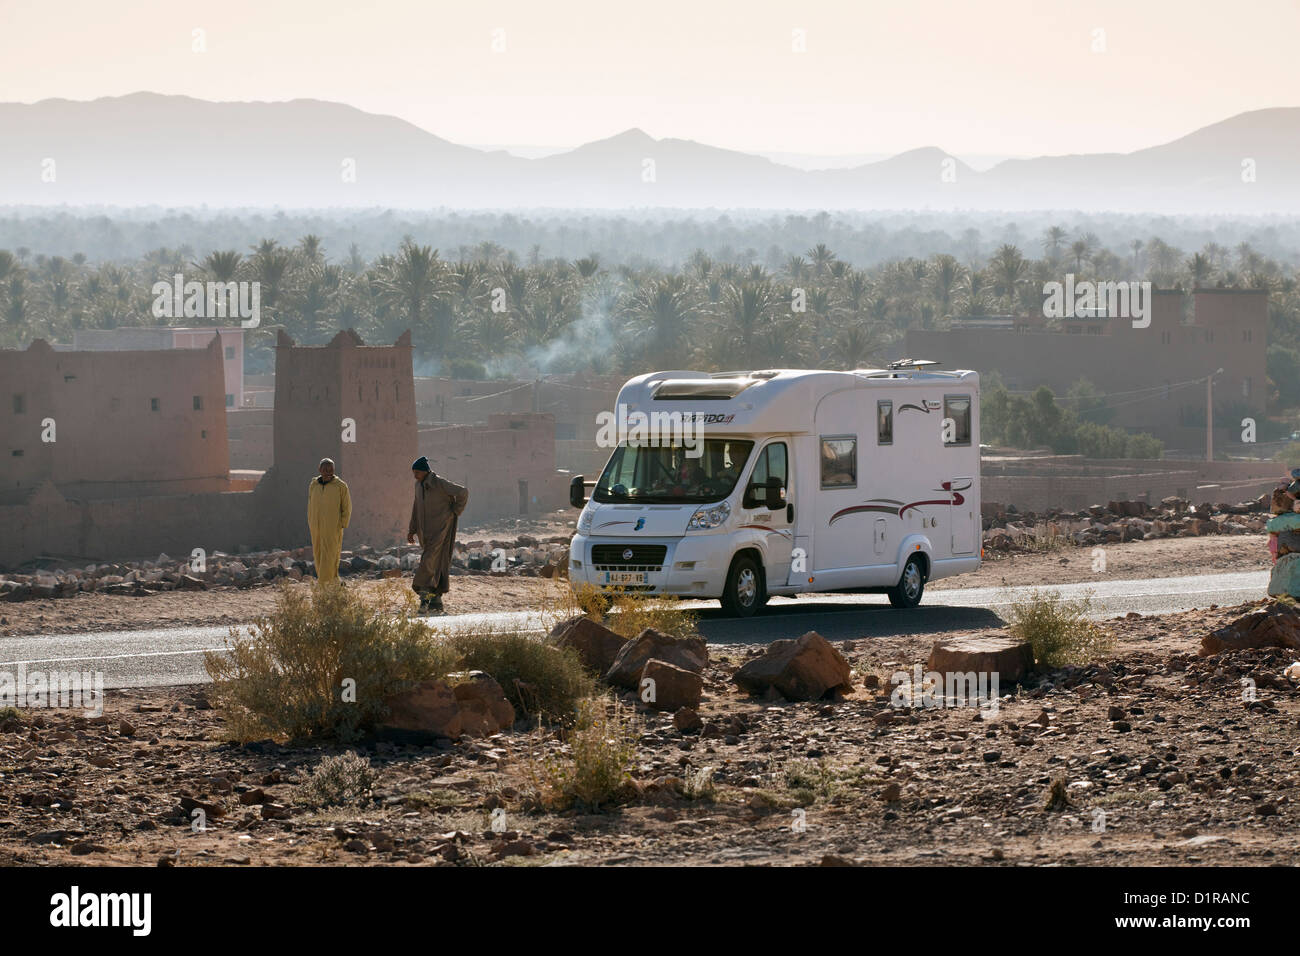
(718, 389)
(910, 363)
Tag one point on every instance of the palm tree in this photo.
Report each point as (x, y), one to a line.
(1052, 239)
(1079, 249)
(414, 280)
(1136, 246)
(1199, 268)
(821, 258)
(746, 309)
(663, 311)
(270, 265)
(1008, 267)
(222, 266)
(309, 247)
(856, 346)
(946, 276)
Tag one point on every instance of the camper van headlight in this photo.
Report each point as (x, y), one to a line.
(710, 517)
(584, 520)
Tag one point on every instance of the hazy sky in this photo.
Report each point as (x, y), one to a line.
(1015, 77)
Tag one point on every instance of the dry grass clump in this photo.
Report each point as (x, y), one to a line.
(538, 679)
(1059, 631)
(623, 611)
(594, 771)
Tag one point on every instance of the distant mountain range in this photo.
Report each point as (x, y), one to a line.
(150, 149)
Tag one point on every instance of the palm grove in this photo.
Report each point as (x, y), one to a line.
(490, 311)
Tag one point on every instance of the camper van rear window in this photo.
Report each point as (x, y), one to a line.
(957, 408)
(718, 389)
(839, 461)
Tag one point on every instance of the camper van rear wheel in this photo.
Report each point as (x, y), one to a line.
(744, 592)
(911, 585)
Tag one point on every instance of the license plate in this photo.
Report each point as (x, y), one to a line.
(625, 577)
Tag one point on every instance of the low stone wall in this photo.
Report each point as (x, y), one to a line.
(1071, 483)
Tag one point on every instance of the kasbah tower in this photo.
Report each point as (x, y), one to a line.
(354, 403)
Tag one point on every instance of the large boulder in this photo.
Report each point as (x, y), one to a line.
(688, 653)
(1276, 625)
(484, 710)
(997, 654)
(804, 669)
(597, 645)
(673, 687)
(429, 709)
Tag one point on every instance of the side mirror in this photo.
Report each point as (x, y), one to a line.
(577, 492)
(773, 500)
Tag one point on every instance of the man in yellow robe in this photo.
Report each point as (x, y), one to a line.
(329, 508)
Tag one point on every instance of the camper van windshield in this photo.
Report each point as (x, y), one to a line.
(667, 474)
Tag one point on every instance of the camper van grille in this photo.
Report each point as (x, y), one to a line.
(645, 557)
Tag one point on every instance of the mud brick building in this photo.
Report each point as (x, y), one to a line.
(1162, 367)
(139, 462)
(316, 389)
(151, 338)
(508, 464)
(126, 423)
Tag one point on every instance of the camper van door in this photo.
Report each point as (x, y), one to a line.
(771, 464)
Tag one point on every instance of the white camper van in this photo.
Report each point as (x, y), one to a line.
(785, 481)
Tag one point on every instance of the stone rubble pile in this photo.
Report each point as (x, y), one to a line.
(525, 556)
(1006, 529)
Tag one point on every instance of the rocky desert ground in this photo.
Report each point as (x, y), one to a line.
(1152, 756)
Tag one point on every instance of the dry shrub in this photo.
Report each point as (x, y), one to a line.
(1058, 798)
(286, 679)
(1059, 631)
(339, 779)
(595, 771)
(623, 611)
(538, 679)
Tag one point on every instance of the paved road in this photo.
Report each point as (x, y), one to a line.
(175, 655)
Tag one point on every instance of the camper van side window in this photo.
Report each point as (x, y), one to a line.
(840, 462)
(957, 408)
(771, 463)
(884, 423)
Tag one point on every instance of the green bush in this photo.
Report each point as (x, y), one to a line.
(1058, 630)
(287, 679)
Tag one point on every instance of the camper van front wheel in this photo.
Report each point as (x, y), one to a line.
(744, 590)
(911, 585)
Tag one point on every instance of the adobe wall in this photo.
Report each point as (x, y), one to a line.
(232, 339)
(48, 523)
(492, 460)
(573, 405)
(252, 438)
(146, 338)
(109, 440)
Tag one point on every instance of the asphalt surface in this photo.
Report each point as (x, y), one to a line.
(175, 655)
